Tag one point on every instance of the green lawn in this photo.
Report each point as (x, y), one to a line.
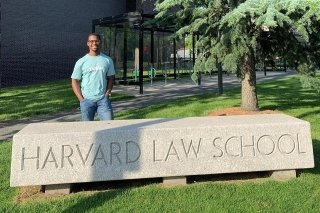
(21, 102)
(296, 195)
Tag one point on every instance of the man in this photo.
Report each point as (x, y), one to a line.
(95, 72)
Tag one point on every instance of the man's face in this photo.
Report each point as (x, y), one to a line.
(93, 43)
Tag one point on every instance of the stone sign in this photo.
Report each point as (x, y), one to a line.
(64, 153)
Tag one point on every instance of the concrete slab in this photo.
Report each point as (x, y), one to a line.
(57, 189)
(74, 152)
(174, 181)
(283, 174)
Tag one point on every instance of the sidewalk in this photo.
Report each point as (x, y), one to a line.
(159, 91)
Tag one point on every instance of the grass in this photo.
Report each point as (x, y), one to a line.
(296, 195)
(198, 105)
(21, 102)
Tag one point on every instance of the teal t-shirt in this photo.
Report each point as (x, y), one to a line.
(92, 71)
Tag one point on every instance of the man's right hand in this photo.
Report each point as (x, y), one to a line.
(76, 89)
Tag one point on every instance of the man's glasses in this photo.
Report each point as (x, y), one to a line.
(94, 41)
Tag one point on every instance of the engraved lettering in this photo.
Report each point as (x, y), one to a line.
(247, 145)
(115, 146)
(298, 140)
(138, 151)
(282, 139)
(53, 159)
(84, 161)
(154, 152)
(101, 157)
(66, 156)
(23, 157)
(193, 148)
(226, 146)
(267, 141)
(174, 151)
(220, 154)
(177, 149)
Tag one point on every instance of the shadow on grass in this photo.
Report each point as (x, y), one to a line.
(105, 191)
(310, 113)
(284, 95)
(279, 95)
(316, 153)
(94, 201)
(186, 106)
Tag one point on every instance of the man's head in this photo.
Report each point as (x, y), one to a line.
(93, 43)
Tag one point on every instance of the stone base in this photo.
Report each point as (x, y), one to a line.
(57, 189)
(283, 174)
(174, 181)
(82, 152)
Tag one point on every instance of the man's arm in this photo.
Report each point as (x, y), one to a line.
(110, 80)
(76, 89)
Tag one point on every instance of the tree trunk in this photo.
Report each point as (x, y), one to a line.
(249, 99)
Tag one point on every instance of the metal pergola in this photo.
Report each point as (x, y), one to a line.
(142, 23)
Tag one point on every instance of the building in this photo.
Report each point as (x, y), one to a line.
(41, 40)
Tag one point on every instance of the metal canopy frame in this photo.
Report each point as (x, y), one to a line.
(141, 22)
(145, 22)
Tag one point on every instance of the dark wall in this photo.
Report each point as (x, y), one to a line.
(147, 6)
(131, 5)
(41, 39)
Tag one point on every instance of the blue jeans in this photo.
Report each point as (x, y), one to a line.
(102, 107)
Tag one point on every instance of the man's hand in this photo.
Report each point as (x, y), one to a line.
(108, 93)
(76, 89)
(110, 81)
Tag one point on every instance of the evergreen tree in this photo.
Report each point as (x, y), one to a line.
(240, 33)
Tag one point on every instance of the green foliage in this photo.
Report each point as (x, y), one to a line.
(310, 81)
(229, 30)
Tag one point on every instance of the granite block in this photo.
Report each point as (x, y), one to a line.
(57, 189)
(174, 181)
(74, 152)
(283, 174)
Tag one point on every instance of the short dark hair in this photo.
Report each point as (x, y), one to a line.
(95, 34)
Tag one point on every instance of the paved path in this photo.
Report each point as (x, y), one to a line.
(157, 92)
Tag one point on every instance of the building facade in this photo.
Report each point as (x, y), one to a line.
(41, 40)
